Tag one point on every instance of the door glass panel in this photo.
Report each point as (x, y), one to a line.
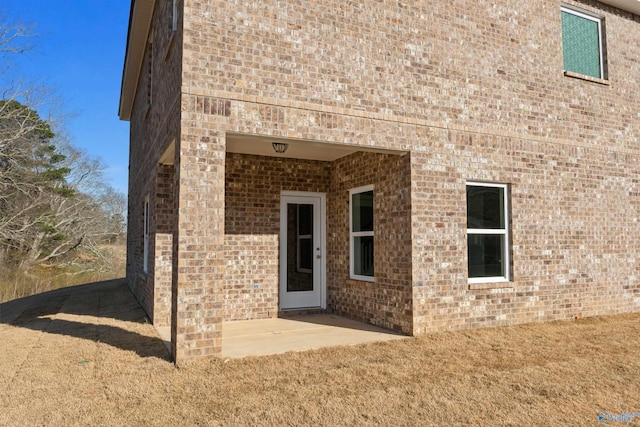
(305, 255)
(299, 247)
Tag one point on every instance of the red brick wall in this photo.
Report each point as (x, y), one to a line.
(153, 127)
(163, 259)
(489, 64)
(472, 90)
(573, 223)
(388, 300)
(252, 227)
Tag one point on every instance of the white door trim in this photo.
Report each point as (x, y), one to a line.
(303, 197)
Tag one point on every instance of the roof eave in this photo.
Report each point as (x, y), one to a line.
(139, 25)
(632, 6)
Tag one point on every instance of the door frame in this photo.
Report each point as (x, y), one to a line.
(287, 197)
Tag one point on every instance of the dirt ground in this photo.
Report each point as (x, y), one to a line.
(87, 356)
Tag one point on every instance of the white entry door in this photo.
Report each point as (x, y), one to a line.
(302, 250)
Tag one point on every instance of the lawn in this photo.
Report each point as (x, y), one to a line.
(87, 360)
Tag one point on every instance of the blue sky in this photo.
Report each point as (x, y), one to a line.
(79, 53)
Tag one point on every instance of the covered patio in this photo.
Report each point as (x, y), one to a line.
(286, 245)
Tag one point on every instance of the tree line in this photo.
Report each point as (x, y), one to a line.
(55, 208)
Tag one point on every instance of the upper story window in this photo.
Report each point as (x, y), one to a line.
(487, 232)
(361, 233)
(173, 15)
(583, 43)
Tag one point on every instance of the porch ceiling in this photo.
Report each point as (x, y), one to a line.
(297, 149)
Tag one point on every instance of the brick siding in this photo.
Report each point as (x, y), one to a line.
(252, 227)
(387, 301)
(467, 90)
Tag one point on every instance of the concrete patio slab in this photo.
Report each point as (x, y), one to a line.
(273, 336)
(245, 338)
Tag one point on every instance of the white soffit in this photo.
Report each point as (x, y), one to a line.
(632, 6)
(139, 24)
(168, 157)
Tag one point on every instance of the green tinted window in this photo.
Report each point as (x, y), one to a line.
(581, 43)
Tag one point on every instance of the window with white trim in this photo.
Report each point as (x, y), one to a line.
(145, 232)
(582, 43)
(361, 239)
(487, 232)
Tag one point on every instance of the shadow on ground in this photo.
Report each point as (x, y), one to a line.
(341, 322)
(104, 312)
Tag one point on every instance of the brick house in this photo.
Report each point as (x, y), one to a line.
(418, 165)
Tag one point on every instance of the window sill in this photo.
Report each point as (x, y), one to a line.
(587, 78)
(494, 285)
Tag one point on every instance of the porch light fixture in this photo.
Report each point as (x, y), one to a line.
(279, 147)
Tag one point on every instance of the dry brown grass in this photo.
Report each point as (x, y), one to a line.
(95, 364)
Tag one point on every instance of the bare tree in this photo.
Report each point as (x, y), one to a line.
(54, 203)
(32, 183)
(13, 36)
(54, 200)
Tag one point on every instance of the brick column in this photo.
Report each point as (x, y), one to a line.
(163, 265)
(196, 329)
